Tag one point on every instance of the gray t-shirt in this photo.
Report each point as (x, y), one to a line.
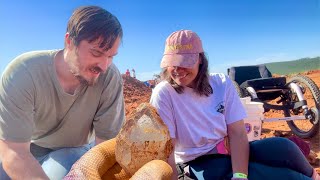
(34, 107)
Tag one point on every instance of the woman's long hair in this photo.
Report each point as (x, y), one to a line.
(202, 86)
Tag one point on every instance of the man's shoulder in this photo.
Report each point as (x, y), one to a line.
(34, 55)
(113, 69)
(29, 63)
(28, 59)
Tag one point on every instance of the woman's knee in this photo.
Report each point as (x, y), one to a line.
(286, 146)
(275, 146)
(273, 142)
(283, 142)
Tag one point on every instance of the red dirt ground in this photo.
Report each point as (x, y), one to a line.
(135, 92)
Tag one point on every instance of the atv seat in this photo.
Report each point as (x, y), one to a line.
(265, 84)
(260, 79)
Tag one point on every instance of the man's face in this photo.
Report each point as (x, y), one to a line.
(87, 60)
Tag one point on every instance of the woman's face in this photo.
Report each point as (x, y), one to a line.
(184, 76)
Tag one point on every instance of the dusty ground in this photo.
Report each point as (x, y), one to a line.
(136, 92)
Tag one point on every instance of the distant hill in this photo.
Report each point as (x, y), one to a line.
(295, 66)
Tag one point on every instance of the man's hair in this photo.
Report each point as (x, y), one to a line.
(92, 23)
(202, 85)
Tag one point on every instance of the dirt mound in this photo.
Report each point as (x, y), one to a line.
(135, 92)
(317, 71)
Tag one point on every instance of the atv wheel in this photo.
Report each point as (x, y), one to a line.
(306, 128)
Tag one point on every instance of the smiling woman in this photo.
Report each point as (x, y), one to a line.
(202, 111)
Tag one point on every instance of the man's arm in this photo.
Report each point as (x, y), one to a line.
(239, 147)
(18, 162)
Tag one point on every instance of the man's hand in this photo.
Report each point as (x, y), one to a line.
(18, 162)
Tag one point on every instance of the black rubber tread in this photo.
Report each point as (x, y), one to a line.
(316, 95)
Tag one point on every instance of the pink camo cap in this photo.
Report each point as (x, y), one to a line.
(182, 49)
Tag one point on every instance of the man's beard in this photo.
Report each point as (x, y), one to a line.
(76, 68)
(84, 81)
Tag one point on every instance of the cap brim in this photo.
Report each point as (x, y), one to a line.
(181, 60)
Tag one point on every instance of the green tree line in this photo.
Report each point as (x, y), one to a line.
(295, 66)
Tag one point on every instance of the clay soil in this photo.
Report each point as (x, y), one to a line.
(135, 93)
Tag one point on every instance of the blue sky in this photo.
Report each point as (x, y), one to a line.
(233, 32)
